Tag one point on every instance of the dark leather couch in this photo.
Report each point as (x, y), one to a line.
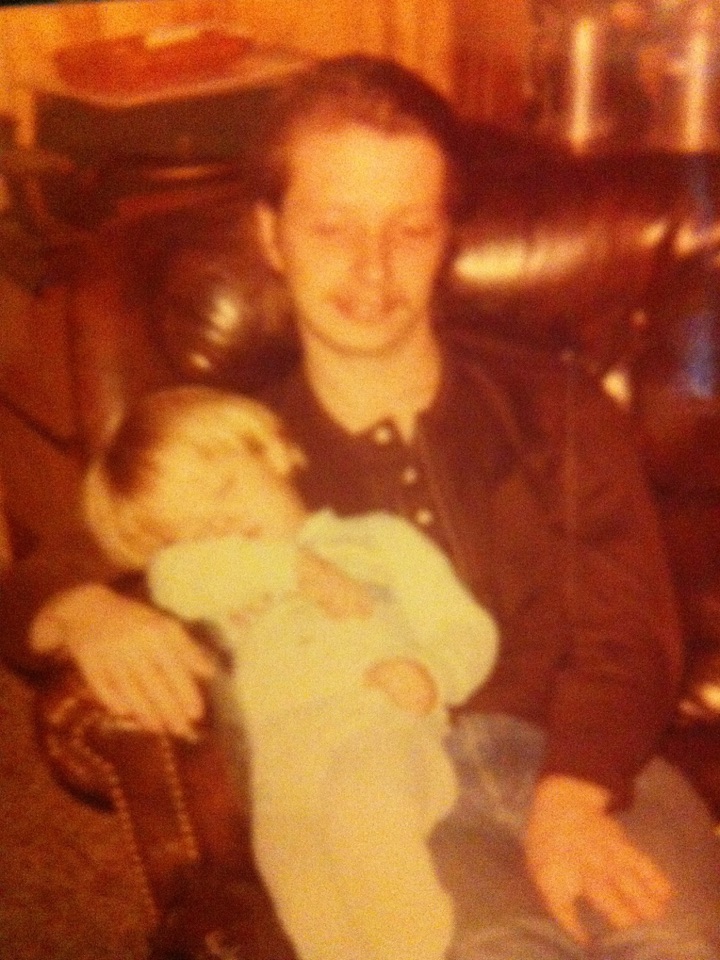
(615, 259)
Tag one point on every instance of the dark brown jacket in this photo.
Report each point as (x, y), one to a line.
(527, 475)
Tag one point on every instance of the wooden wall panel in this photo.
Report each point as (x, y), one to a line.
(491, 58)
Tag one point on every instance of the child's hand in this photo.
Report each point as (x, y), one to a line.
(332, 590)
(407, 683)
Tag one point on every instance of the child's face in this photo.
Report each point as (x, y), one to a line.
(253, 500)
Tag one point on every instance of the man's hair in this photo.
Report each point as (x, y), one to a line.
(362, 90)
(181, 435)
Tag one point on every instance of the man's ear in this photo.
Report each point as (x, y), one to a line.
(268, 227)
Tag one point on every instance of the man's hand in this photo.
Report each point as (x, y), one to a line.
(139, 663)
(333, 590)
(575, 849)
(406, 682)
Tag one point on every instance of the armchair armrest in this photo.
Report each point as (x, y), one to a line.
(175, 800)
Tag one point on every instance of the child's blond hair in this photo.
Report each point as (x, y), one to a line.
(151, 484)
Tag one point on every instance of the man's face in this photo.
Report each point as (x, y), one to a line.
(360, 237)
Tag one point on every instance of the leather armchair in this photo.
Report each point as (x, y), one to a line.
(614, 259)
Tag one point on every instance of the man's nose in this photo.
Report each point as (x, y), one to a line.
(373, 258)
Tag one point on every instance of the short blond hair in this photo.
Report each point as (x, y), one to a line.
(179, 436)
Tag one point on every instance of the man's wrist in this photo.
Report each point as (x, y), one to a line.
(48, 631)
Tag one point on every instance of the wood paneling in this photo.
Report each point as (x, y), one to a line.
(492, 50)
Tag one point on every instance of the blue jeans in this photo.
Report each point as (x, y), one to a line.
(479, 857)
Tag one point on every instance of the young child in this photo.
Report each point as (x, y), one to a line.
(349, 636)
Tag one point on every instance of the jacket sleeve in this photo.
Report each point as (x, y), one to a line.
(617, 683)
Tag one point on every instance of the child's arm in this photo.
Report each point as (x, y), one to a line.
(333, 590)
(205, 579)
(457, 638)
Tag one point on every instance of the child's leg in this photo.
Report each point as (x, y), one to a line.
(377, 824)
(292, 857)
(345, 799)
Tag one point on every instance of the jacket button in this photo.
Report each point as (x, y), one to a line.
(409, 476)
(424, 517)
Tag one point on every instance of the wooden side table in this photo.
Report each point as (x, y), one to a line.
(169, 132)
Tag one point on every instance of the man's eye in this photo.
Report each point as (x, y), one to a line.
(418, 231)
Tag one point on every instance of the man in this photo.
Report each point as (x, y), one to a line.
(566, 838)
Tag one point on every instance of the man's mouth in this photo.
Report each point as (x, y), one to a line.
(364, 312)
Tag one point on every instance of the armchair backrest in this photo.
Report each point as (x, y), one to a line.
(610, 257)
